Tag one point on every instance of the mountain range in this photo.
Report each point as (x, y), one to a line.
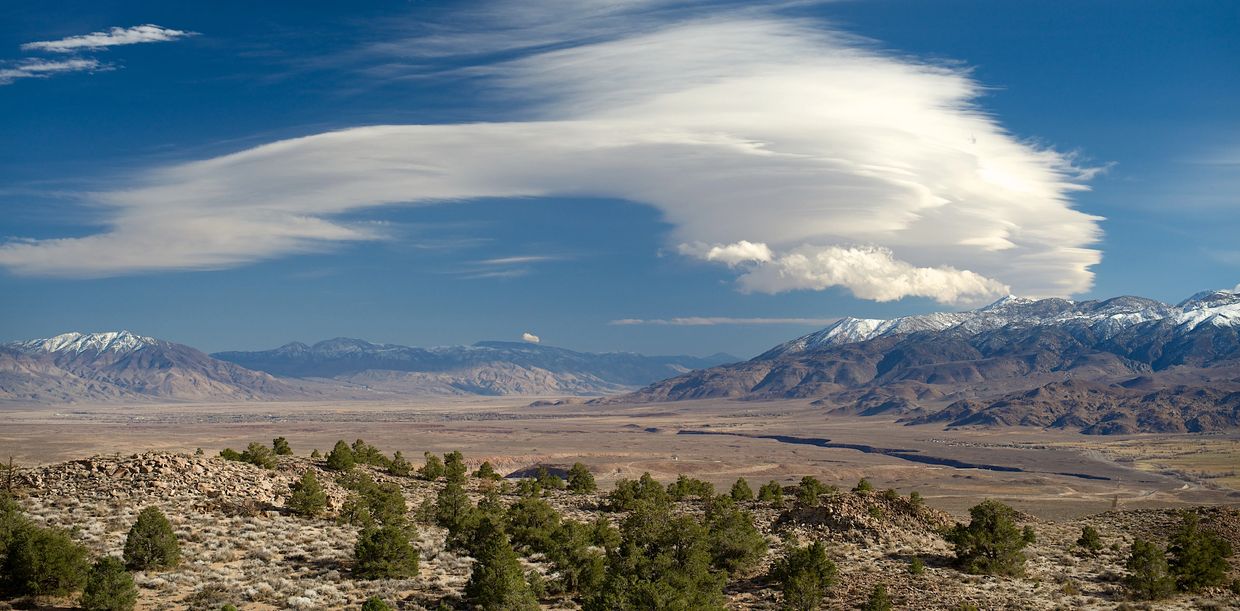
(1120, 365)
(123, 366)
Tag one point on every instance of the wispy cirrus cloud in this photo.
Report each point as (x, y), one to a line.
(791, 151)
(710, 321)
(112, 37)
(43, 68)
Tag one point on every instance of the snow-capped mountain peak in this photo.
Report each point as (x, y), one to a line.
(111, 341)
(1105, 318)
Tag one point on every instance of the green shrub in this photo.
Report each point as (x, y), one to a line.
(991, 543)
(771, 492)
(307, 498)
(366, 454)
(578, 555)
(735, 544)
(259, 455)
(373, 504)
(374, 603)
(109, 587)
(454, 512)
(384, 552)
(280, 446)
(1090, 540)
(316, 454)
(44, 561)
(547, 480)
(1148, 576)
(12, 522)
(878, 600)
(399, 465)
(487, 472)
(917, 566)
(864, 486)
(497, 582)
(151, 543)
(890, 495)
(809, 490)
(914, 499)
(1198, 557)
(804, 575)
(341, 457)
(454, 469)
(741, 491)
(531, 524)
(433, 469)
(685, 487)
(580, 480)
(628, 493)
(662, 562)
(230, 454)
(228, 607)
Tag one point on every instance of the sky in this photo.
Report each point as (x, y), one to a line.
(656, 176)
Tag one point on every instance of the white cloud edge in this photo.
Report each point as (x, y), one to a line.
(530, 338)
(115, 36)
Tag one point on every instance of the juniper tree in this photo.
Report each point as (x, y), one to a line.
(454, 469)
(374, 603)
(771, 492)
(804, 575)
(685, 487)
(1090, 540)
(991, 543)
(280, 446)
(307, 497)
(1198, 557)
(151, 544)
(259, 455)
(627, 493)
(44, 561)
(497, 582)
(580, 480)
(433, 469)
(384, 552)
(486, 471)
(109, 587)
(399, 466)
(230, 454)
(735, 544)
(809, 490)
(341, 457)
(878, 599)
(741, 491)
(1148, 576)
(863, 486)
(454, 513)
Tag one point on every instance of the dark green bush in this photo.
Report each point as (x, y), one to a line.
(307, 497)
(44, 561)
(878, 600)
(372, 503)
(580, 480)
(685, 487)
(1148, 576)
(487, 472)
(531, 524)
(863, 486)
(341, 457)
(735, 544)
(497, 582)
(259, 455)
(741, 491)
(374, 603)
(454, 512)
(627, 493)
(433, 469)
(991, 543)
(1198, 557)
(1090, 540)
(809, 490)
(454, 469)
(151, 543)
(771, 492)
(109, 587)
(366, 454)
(804, 575)
(547, 480)
(384, 552)
(399, 466)
(280, 446)
(230, 454)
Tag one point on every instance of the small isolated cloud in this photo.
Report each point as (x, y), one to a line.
(111, 38)
(730, 254)
(42, 68)
(709, 321)
(530, 338)
(868, 272)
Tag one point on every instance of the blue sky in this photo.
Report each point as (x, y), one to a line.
(236, 176)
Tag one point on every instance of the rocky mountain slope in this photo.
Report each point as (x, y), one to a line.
(486, 368)
(1151, 366)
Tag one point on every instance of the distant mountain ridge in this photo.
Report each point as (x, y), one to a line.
(124, 366)
(979, 364)
(494, 368)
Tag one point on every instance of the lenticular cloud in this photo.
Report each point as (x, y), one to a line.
(801, 158)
